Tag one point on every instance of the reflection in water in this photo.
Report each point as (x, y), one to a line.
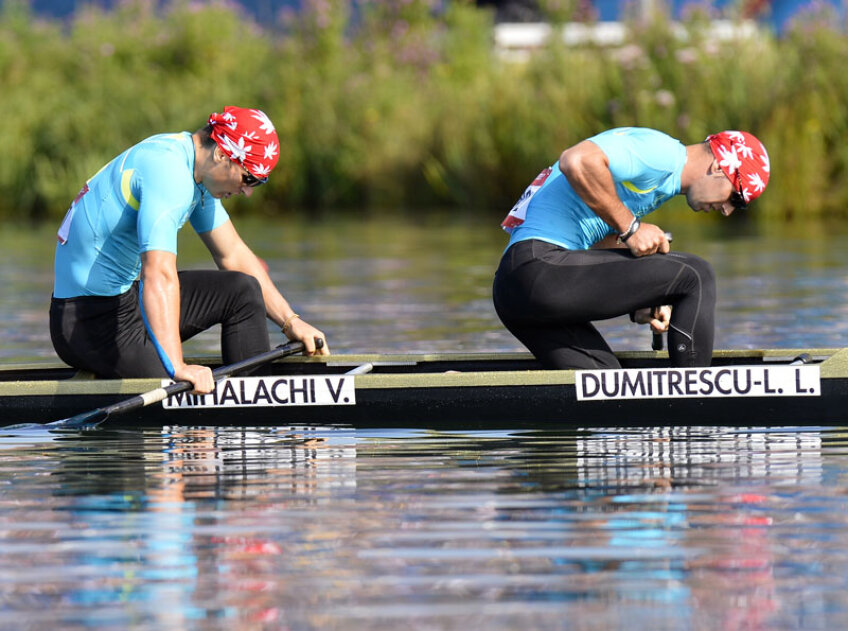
(670, 456)
(299, 527)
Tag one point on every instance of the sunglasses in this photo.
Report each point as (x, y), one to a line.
(737, 201)
(248, 179)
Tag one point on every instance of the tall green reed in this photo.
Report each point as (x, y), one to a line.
(407, 103)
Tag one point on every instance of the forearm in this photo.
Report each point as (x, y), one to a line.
(161, 303)
(277, 307)
(609, 242)
(231, 253)
(242, 259)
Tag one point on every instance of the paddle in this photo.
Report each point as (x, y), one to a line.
(657, 338)
(800, 360)
(657, 341)
(362, 369)
(95, 417)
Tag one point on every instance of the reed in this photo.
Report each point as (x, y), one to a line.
(405, 103)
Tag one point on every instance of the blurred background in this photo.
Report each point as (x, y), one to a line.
(418, 104)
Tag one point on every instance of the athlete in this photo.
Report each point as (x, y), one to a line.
(580, 252)
(120, 308)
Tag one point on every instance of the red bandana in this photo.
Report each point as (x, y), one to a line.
(248, 137)
(744, 161)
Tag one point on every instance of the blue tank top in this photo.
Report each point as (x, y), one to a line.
(646, 166)
(136, 203)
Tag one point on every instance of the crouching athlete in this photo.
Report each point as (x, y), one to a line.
(120, 308)
(579, 251)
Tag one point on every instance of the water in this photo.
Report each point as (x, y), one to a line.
(422, 283)
(342, 528)
(332, 528)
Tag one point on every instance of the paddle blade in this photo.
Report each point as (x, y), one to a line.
(92, 418)
(23, 427)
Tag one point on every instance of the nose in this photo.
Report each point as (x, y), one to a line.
(247, 191)
(727, 209)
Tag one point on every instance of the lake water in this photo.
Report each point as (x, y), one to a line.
(422, 283)
(334, 528)
(343, 528)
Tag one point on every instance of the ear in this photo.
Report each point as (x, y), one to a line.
(715, 169)
(218, 155)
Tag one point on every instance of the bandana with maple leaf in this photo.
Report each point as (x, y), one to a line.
(248, 137)
(744, 161)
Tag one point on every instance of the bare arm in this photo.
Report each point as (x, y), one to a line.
(161, 300)
(586, 167)
(608, 243)
(232, 253)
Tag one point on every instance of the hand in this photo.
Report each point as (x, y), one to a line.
(648, 239)
(306, 333)
(658, 317)
(200, 376)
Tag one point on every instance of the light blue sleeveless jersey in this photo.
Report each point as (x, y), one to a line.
(136, 203)
(646, 166)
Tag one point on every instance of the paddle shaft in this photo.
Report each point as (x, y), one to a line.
(362, 369)
(95, 417)
(657, 341)
(657, 338)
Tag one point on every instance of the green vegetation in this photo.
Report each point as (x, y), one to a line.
(390, 104)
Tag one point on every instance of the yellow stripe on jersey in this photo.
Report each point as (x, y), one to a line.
(126, 177)
(629, 186)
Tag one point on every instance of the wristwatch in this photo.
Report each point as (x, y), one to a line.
(631, 230)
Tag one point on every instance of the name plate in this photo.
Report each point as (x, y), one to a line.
(269, 392)
(688, 383)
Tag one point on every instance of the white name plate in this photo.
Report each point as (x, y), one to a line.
(269, 392)
(683, 383)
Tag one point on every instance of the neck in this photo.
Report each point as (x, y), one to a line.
(698, 161)
(200, 157)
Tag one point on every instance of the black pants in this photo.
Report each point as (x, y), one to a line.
(548, 296)
(107, 336)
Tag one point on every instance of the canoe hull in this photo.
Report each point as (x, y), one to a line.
(428, 392)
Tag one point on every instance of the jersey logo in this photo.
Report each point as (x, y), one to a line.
(126, 191)
(631, 187)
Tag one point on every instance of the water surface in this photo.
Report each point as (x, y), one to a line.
(298, 527)
(422, 282)
(341, 528)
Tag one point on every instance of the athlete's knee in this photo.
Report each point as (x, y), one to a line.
(243, 291)
(245, 285)
(698, 275)
(707, 276)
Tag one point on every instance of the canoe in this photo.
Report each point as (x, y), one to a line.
(453, 390)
